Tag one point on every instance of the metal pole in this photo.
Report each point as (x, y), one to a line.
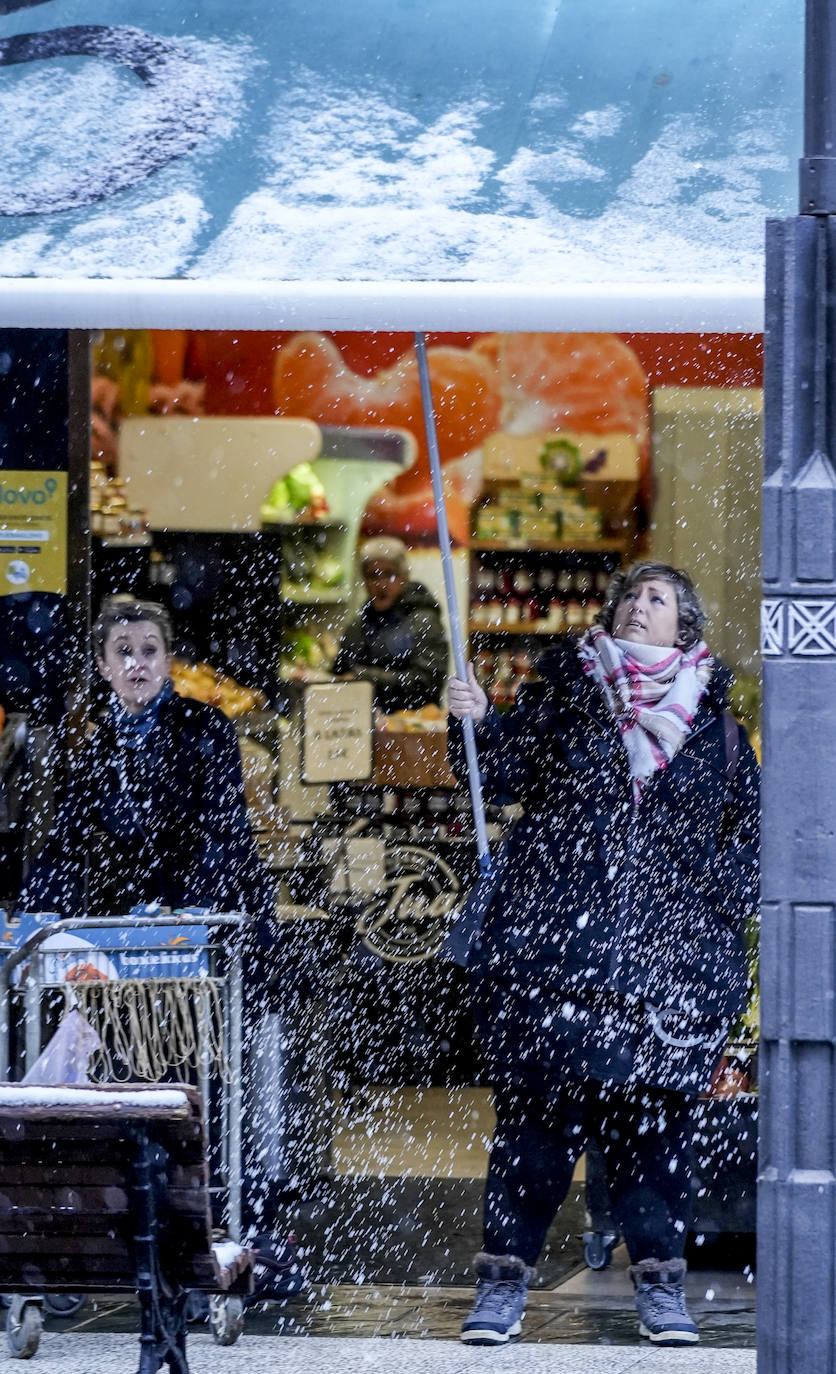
(78, 540)
(236, 1094)
(32, 1012)
(473, 777)
(797, 1181)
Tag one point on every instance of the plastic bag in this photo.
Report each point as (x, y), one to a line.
(66, 1057)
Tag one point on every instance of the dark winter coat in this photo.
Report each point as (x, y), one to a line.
(176, 832)
(402, 651)
(644, 905)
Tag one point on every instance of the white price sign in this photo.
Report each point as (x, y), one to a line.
(337, 732)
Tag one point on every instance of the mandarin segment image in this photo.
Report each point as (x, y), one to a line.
(517, 383)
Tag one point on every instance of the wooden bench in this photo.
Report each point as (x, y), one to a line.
(105, 1190)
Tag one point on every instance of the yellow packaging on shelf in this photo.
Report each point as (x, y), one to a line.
(539, 527)
(492, 523)
(581, 523)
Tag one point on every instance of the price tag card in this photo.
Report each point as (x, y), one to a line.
(337, 732)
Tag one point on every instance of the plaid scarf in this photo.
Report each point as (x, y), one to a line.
(653, 693)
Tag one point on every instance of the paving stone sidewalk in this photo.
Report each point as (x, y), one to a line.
(73, 1353)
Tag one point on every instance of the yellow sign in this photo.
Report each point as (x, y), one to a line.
(33, 532)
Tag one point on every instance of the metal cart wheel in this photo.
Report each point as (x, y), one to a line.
(598, 1248)
(23, 1328)
(226, 1318)
(64, 1304)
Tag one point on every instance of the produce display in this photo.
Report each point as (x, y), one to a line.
(297, 495)
(410, 749)
(314, 573)
(427, 720)
(307, 656)
(201, 682)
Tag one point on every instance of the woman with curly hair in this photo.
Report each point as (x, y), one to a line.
(610, 961)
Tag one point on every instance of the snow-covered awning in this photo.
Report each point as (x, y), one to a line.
(376, 164)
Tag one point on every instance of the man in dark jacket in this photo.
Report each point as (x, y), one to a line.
(610, 960)
(397, 642)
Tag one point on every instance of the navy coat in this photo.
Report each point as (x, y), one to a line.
(601, 897)
(166, 821)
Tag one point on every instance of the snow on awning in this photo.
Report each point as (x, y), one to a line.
(374, 164)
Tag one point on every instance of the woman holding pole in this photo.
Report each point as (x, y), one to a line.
(611, 958)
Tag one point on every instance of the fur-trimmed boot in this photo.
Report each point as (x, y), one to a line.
(660, 1302)
(501, 1290)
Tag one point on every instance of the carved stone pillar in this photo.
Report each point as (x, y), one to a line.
(797, 1185)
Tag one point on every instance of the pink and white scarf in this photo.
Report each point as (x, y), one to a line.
(653, 693)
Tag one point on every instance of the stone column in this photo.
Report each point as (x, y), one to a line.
(797, 1183)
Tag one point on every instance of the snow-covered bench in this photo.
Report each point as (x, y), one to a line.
(105, 1189)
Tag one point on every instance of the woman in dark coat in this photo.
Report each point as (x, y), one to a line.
(155, 815)
(611, 958)
(154, 811)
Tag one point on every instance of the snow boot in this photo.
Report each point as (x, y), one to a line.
(501, 1290)
(660, 1302)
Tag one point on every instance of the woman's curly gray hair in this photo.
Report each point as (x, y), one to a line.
(689, 606)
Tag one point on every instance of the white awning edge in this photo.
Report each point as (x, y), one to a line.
(229, 303)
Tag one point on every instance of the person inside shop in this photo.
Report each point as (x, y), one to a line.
(397, 642)
(610, 961)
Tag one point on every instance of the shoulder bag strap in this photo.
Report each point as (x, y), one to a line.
(732, 733)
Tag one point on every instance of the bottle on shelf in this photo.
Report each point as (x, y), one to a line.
(528, 606)
(483, 595)
(484, 666)
(495, 608)
(544, 590)
(560, 598)
(595, 600)
(501, 688)
(575, 615)
(521, 665)
(508, 595)
(584, 582)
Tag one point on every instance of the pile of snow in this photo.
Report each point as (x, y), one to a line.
(54, 1095)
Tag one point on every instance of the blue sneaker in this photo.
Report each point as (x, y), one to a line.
(660, 1302)
(501, 1290)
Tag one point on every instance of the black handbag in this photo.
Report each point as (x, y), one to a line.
(462, 938)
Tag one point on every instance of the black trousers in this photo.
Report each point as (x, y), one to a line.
(644, 1136)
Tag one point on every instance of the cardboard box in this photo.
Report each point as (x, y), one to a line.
(412, 760)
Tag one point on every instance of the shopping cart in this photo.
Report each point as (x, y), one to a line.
(165, 997)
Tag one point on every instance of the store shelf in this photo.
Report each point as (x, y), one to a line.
(474, 629)
(546, 546)
(280, 522)
(314, 596)
(123, 541)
